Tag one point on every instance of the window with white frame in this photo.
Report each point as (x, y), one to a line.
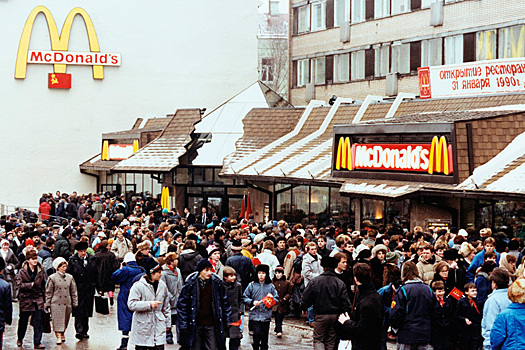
(357, 70)
(454, 49)
(511, 42)
(304, 19)
(342, 68)
(400, 6)
(341, 12)
(318, 15)
(381, 8)
(401, 58)
(303, 72)
(267, 69)
(318, 70)
(432, 52)
(358, 11)
(486, 45)
(426, 3)
(382, 60)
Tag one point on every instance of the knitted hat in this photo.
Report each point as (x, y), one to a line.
(4, 241)
(58, 261)
(29, 241)
(463, 233)
(143, 246)
(246, 243)
(279, 268)
(129, 257)
(81, 246)
(391, 257)
(31, 254)
(212, 248)
(202, 264)
(236, 245)
(165, 211)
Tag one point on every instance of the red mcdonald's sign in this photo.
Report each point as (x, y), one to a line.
(424, 82)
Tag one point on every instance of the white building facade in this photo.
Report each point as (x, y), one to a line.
(171, 54)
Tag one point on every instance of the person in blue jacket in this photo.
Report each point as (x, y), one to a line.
(413, 310)
(125, 276)
(488, 246)
(495, 304)
(6, 305)
(260, 315)
(508, 331)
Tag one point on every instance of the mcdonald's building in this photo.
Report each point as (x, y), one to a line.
(72, 71)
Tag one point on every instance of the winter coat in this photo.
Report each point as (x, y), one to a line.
(477, 261)
(173, 280)
(284, 290)
(365, 327)
(464, 311)
(98, 208)
(188, 258)
(484, 286)
(257, 291)
(426, 268)
(107, 263)
(235, 298)
(62, 248)
(509, 328)
(311, 267)
(495, 304)
(293, 253)
(268, 258)
(413, 312)
(121, 247)
(244, 268)
(125, 277)
(71, 211)
(31, 291)
(377, 269)
(61, 298)
(327, 293)
(439, 335)
(218, 268)
(148, 327)
(6, 305)
(86, 281)
(10, 264)
(281, 255)
(188, 307)
(46, 256)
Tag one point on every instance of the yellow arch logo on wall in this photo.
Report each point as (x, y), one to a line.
(58, 42)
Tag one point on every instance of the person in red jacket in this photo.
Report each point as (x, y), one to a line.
(44, 209)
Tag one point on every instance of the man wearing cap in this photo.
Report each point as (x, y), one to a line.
(329, 297)
(203, 310)
(125, 277)
(83, 268)
(149, 301)
(241, 264)
(31, 283)
(6, 305)
(497, 301)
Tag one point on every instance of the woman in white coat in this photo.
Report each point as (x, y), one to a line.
(149, 301)
(267, 257)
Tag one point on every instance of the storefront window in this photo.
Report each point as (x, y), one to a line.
(300, 205)
(372, 212)
(398, 213)
(510, 214)
(283, 209)
(180, 176)
(156, 188)
(341, 210)
(234, 205)
(319, 205)
(198, 175)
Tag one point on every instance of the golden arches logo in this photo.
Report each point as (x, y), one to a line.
(58, 42)
(439, 155)
(344, 154)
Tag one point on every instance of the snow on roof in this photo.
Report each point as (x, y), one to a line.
(518, 107)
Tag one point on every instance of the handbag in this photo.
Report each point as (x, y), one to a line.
(46, 323)
(101, 305)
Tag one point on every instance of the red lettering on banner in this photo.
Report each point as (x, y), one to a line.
(58, 57)
(36, 56)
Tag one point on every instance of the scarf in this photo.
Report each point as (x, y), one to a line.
(473, 304)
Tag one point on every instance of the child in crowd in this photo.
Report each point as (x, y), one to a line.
(234, 294)
(439, 337)
(260, 315)
(469, 314)
(284, 289)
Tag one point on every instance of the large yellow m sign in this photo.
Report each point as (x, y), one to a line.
(58, 43)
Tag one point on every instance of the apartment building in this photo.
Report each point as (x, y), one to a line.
(355, 48)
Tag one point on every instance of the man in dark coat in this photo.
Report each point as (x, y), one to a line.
(203, 311)
(327, 293)
(107, 263)
(365, 326)
(83, 268)
(241, 264)
(31, 283)
(6, 305)
(62, 246)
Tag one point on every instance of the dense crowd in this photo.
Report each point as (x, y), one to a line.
(197, 275)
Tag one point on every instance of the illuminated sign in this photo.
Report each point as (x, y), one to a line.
(59, 56)
(435, 157)
(473, 78)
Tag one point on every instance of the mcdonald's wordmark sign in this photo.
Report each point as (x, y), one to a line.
(59, 56)
(432, 158)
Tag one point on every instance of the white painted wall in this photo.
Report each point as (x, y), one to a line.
(175, 54)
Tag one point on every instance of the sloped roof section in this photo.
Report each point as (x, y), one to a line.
(96, 164)
(162, 154)
(504, 173)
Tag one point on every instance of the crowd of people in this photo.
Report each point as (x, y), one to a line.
(192, 278)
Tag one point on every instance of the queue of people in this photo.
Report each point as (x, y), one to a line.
(192, 281)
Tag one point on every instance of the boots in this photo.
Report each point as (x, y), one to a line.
(169, 336)
(123, 343)
(59, 338)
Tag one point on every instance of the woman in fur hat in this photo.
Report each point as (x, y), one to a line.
(61, 297)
